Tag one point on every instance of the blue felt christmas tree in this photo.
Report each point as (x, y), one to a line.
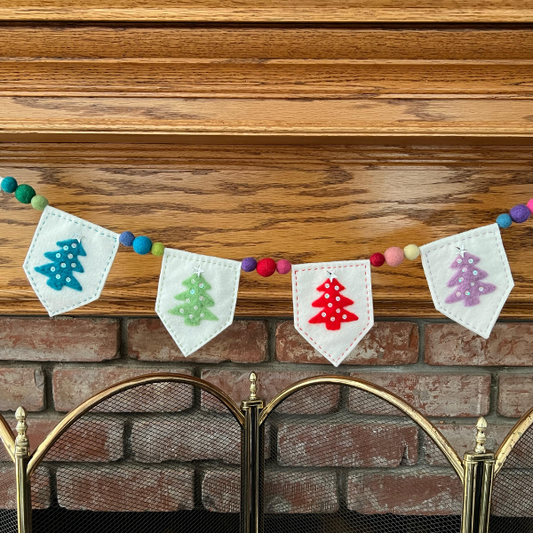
(65, 262)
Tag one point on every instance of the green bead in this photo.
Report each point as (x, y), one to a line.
(158, 248)
(24, 194)
(39, 202)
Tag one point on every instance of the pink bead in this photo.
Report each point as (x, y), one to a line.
(530, 205)
(283, 266)
(393, 256)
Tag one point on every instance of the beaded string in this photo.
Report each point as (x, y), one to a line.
(143, 245)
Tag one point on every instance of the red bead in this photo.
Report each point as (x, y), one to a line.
(266, 267)
(377, 260)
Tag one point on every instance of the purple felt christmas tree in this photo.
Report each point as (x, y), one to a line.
(469, 280)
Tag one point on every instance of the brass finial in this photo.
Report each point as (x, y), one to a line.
(481, 438)
(21, 442)
(253, 386)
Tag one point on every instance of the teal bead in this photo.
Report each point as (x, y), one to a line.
(142, 245)
(504, 220)
(9, 184)
(39, 202)
(24, 193)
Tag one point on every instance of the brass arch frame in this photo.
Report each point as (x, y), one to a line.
(79, 411)
(8, 439)
(389, 397)
(506, 447)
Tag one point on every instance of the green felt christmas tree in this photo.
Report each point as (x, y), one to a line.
(195, 300)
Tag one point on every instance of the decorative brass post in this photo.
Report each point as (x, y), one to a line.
(252, 458)
(479, 474)
(22, 453)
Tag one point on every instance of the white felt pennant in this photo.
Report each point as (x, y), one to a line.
(469, 277)
(196, 297)
(333, 305)
(68, 260)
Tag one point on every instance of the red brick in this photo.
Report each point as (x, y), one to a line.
(317, 399)
(89, 439)
(387, 343)
(405, 494)
(59, 339)
(72, 386)
(515, 396)
(451, 344)
(191, 437)
(300, 492)
(242, 342)
(125, 488)
(286, 491)
(347, 444)
(21, 386)
(221, 490)
(431, 394)
(462, 440)
(40, 488)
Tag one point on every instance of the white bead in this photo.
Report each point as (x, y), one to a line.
(344, 316)
(327, 285)
(330, 305)
(332, 319)
(323, 314)
(326, 295)
(58, 276)
(338, 298)
(336, 287)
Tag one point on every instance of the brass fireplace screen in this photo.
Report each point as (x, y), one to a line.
(173, 453)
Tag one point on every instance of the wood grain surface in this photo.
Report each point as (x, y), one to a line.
(264, 62)
(314, 203)
(270, 10)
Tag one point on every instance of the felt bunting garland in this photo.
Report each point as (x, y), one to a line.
(69, 260)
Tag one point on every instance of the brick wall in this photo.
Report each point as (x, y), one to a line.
(449, 374)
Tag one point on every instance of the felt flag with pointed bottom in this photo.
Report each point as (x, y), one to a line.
(196, 297)
(333, 305)
(469, 277)
(68, 261)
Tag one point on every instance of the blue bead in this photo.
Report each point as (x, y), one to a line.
(504, 220)
(126, 238)
(9, 184)
(142, 245)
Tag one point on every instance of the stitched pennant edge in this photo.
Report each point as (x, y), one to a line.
(177, 265)
(490, 235)
(310, 276)
(89, 232)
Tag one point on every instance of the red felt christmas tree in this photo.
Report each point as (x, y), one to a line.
(333, 305)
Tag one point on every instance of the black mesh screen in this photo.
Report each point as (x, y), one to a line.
(512, 500)
(162, 457)
(342, 460)
(8, 496)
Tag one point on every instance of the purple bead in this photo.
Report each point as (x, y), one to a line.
(520, 213)
(249, 264)
(126, 238)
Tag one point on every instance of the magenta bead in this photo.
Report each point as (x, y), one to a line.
(283, 266)
(393, 256)
(530, 205)
(520, 213)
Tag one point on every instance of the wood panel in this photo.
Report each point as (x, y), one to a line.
(314, 203)
(67, 117)
(68, 82)
(270, 10)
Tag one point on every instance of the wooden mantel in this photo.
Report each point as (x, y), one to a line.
(323, 132)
